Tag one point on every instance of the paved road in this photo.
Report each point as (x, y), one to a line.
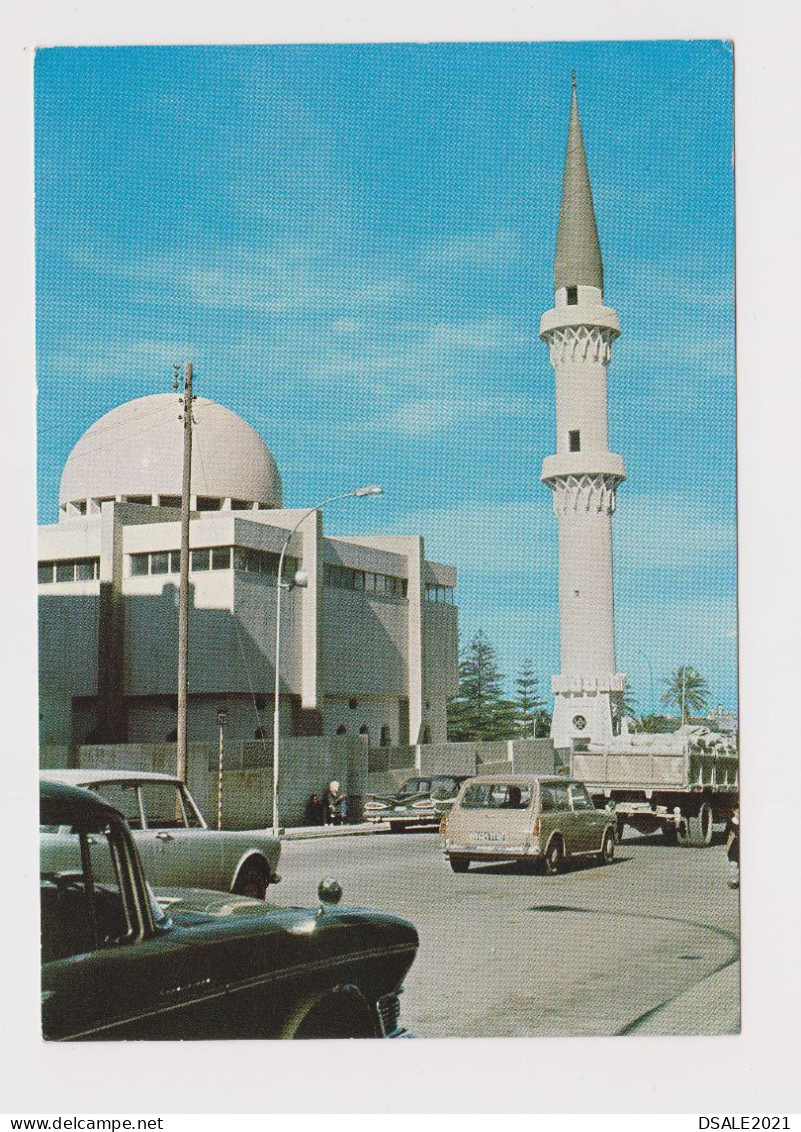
(504, 954)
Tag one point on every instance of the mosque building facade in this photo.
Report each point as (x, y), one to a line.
(583, 474)
(369, 646)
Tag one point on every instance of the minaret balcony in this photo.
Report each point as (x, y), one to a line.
(580, 685)
(580, 315)
(583, 464)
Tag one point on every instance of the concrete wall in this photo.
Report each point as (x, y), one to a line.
(441, 650)
(389, 767)
(308, 765)
(372, 712)
(365, 644)
(68, 645)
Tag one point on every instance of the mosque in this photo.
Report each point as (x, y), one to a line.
(371, 643)
(368, 646)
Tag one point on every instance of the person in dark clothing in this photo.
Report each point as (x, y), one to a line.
(334, 805)
(733, 847)
(314, 811)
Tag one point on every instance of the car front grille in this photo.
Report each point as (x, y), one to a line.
(389, 1015)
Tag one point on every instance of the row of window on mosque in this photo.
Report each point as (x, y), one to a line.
(165, 562)
(70, 570)
(199, 503)
(346, 578)
(212, 558)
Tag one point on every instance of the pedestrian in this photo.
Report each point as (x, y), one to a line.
(733, 847)
(314, 811)
(334, 804)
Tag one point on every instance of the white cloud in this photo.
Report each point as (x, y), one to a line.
(299, 276)
(436, 415)
(671, 531)
(484, 249)
(129, 357)
(495, 539)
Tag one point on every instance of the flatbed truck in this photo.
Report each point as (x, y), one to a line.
(679, 783)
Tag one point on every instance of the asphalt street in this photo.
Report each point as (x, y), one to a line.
(596, 950)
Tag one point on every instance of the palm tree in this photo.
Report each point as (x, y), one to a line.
(687, 690)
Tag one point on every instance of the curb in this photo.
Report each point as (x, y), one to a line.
(305, 832)
(708, 1008)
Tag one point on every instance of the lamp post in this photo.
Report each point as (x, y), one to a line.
(222, 719)
(299, 580)
(651, 674)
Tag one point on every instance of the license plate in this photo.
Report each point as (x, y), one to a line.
(484, 836)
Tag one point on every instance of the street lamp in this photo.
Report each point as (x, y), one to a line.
(222, 719)
(651, 674)
(299, 580)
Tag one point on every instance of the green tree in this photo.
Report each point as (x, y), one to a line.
(531, 718)
(628, 702)
(480, 712)
(657, 724)
(687, 690)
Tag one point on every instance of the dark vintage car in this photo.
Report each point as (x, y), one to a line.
(420, 801)
(120, 961)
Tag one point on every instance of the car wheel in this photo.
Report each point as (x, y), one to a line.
(608, 848)
(252, 880)
(459, 864)
(344, 1013)
(554, 858)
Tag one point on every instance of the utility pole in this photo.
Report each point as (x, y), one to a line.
(183, 592)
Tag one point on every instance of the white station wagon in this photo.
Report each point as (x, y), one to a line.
(536, 820)
(175, 844)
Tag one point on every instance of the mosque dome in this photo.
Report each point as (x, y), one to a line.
(135, 453)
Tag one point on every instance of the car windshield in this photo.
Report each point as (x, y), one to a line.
(165, 805)
(496, 796)
(83, 907)
(414, 786)
(444, 787)
(123, 796)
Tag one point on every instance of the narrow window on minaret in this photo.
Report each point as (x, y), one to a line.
(574, 440)
(572, 296)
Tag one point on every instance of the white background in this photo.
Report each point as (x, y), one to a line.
(755, 1072)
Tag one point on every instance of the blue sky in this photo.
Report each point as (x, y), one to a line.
(355, 244)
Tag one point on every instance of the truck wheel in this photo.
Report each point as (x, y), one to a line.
(670, 834)
(699, 827)
(619, 828)
(459, 864)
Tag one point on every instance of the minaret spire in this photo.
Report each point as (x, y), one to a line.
(578, 250)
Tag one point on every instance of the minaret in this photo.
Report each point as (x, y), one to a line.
(583, 475)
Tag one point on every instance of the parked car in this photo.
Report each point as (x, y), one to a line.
(175, 844)
(533, 819)
(420, 801)
(122, 961)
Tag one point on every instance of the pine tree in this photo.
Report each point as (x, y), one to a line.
(530, 714)
(480, 712)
